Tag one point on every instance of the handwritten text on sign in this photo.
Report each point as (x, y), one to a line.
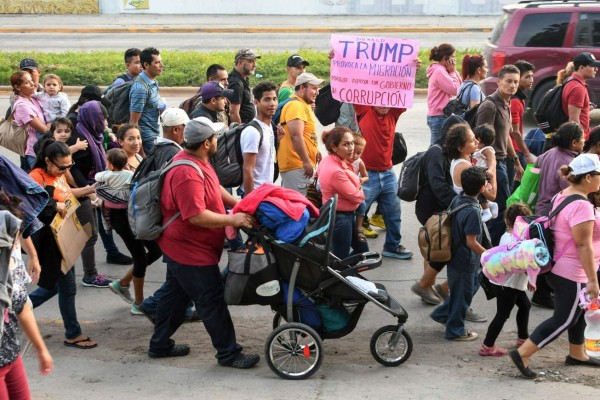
(373, 70)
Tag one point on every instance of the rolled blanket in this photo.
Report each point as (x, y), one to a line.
(525, 257)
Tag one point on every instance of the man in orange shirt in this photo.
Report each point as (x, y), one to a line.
(298, 152)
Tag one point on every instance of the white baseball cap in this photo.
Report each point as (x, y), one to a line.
(174, 116)
(584, 164)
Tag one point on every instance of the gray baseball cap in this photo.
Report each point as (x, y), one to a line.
(199, 129)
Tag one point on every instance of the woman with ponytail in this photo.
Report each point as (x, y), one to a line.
(443, 84)
(474, 69)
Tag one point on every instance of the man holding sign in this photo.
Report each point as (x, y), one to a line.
(377, 75)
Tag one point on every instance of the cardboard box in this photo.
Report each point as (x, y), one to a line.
(70, 236)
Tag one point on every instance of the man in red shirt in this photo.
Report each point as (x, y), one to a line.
(378, 126)
(575, 97)
(192, 245)
(517, 110)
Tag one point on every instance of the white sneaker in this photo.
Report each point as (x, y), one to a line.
(493, 208)
(486, 215)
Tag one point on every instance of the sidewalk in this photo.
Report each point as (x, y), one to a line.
(153, 23)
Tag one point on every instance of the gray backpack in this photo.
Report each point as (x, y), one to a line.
(143, 209)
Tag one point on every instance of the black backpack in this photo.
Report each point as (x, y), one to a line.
(229, 160)
(327, 109)
(118, 111)
(549, 114)
(470, 116)
(123, 76)
(456, 106)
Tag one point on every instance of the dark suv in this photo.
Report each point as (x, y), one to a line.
(548, 34)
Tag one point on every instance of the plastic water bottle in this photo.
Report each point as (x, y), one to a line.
(592, 330)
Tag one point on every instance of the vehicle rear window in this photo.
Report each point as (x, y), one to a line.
(543, 30)
(588, 30)
(499, 28)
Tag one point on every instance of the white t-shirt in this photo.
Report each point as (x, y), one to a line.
(515, 281)
(265, 154)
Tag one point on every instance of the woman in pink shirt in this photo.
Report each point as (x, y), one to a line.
(27, 111)
(576, 232)
(336, 176)
(443, 84)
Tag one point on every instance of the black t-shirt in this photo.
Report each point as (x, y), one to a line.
(242, 95)
(84, 163)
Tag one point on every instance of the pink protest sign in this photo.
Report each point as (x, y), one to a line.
(373, 71)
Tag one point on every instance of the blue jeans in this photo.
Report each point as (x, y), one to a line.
(150, 303)
(435, 126)
(463, 284)
(383, 187)
(107, 238)
(496, 226)
(66, 289)
(344, 236)
(203, 285)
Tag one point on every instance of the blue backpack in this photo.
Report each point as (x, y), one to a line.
(280, 106)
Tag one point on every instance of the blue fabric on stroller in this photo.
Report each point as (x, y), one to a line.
(285, 228)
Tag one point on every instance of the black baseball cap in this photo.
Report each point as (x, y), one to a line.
(295, 61)
(28, 63)
(585, 59)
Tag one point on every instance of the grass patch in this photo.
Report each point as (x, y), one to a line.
(182, 68)
(49, 7)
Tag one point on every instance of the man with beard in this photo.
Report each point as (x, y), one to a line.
(241, 109)
(192, 245)
(298, 150)
(258, 147)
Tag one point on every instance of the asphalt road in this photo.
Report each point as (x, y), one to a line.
(209, 42)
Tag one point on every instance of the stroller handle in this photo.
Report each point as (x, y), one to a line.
(362, 262)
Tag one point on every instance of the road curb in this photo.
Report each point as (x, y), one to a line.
(364, 29)
(167, 91)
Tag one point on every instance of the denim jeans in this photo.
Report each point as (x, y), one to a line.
(496, 226)
(435, 126)
(66, 289)
(107, 238)
(463, 284)
(383, 187)
(204, 286)
(150, 303)
(85, 212)
(344, 236)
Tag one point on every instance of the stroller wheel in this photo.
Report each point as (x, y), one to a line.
(294, 351)
(390, 349)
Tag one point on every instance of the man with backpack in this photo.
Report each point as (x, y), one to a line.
(575, 97)
(144, 98)
(495, 110)
(214, 100)
(216, 73)
(298, 149)
(133, 65)
(258, 148)
(192, 245)
(241, 109)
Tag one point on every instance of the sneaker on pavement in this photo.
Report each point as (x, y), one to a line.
(474, 316)
(119, 259)
(97, 280)
(242, 361)
(400, 253)
(377, 220)
(369, 232)
(443, 294)
(428, 295)
(122, 292)
(135, 310)
(467, 337)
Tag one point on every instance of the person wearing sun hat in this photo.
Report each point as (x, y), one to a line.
(295, 67)
(575, 96)
(576, 230)
(192, 245)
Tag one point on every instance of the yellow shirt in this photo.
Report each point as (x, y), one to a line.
(287, 158)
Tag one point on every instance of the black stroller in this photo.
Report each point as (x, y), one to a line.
(294, 349)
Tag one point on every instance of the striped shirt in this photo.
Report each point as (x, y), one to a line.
(144, 99)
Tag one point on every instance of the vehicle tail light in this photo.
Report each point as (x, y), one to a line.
(498, 60)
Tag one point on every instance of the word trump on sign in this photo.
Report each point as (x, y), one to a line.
(373, 71)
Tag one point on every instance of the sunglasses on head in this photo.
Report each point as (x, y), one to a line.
(62, 168)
